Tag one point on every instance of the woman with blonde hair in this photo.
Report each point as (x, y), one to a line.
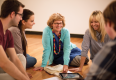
(94, 39)
(57, 46)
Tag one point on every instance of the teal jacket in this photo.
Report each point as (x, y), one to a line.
(47, 41)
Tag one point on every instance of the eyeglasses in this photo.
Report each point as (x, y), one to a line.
(20, 14)
(57, 23)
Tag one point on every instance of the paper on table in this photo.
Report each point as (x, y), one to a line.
(69, 72)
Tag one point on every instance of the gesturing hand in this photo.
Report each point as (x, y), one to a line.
(76, 69)
(65, 69)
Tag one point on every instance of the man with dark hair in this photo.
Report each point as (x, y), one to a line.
(10, 68)
(104, 64)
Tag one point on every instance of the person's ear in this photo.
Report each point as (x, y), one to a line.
(12, 14)
(23, 22)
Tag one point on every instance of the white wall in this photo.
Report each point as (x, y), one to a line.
(1, 1)
(76, 12)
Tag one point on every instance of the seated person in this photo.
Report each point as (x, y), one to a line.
(104, 63)
(57, 46)
(11, 67)
(19, 37)
(94, 39)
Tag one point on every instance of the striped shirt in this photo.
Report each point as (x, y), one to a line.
(104, 64)
(90, 43)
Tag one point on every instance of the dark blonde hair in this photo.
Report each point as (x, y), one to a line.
(99, 17)
(55, 17)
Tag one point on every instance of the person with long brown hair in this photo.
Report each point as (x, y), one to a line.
(20, 42)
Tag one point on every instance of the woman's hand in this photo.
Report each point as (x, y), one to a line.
(30, 76)
(65, 68)
(76, 69)
(81, 65)
(38, 68)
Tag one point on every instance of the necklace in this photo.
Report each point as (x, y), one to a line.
(54, 42)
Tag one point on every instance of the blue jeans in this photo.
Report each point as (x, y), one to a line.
(31, 61)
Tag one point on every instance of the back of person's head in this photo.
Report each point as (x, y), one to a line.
(55, 17)
(9, 6)
(110, 13)
(26, 15)
(99, 18)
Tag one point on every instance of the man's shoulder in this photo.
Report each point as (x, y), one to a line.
(108, 49)
(8, 33)
(105, 58)
(111, 44)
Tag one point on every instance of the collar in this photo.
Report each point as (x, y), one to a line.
(98, 35)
